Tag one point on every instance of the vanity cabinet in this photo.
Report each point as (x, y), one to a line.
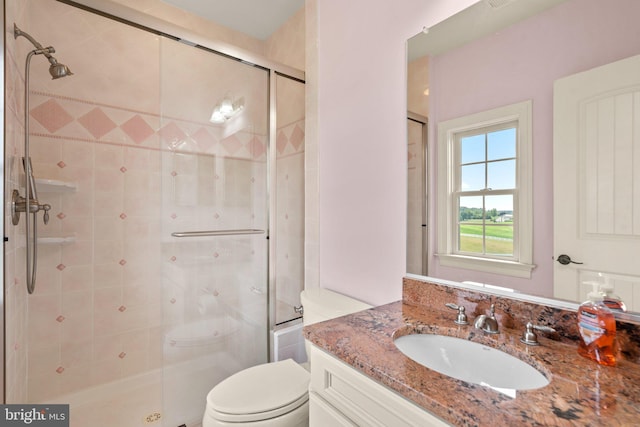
(341, 396)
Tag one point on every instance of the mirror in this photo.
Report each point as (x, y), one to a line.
(492, 32)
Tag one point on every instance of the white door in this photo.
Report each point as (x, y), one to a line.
(596, 167)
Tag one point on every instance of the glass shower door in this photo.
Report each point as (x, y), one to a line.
(289, 197)
(214, 132)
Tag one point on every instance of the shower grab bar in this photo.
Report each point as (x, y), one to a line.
(208, 233)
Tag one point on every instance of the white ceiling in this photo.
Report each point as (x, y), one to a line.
(257, 18)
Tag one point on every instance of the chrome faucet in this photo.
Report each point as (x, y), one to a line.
(487, 323)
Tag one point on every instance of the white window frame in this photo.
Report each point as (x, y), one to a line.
(521, 265)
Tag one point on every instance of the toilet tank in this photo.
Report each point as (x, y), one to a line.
(322, 304)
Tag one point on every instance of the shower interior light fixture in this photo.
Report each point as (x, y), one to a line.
(226, 110)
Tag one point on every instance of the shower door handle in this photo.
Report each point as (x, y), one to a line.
(209, 233)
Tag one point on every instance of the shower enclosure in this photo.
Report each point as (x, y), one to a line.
(175, 179)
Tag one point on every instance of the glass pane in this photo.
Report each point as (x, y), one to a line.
(499, 240)
(501, 175)
(213, 136)
(472, 177)
(472, 149)
(470, 228)
(501, 144)
(502, 205)
(289, 191)
(499, 231)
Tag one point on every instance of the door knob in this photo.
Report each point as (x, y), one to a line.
(566, 260)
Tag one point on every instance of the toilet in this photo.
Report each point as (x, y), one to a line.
(275, 394)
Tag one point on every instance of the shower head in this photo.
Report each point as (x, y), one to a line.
(56, 69)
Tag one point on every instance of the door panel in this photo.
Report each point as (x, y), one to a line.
(596, 183)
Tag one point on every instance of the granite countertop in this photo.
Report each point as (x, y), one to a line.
(580, 393)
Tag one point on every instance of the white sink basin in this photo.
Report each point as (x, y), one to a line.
(471, 362)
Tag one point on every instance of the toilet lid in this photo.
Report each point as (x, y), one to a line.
(260, 392)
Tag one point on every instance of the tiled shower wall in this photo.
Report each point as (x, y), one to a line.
(99, 311)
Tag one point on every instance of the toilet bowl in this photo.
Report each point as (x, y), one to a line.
(275, 394)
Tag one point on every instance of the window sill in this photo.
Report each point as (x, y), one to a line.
(505, 268)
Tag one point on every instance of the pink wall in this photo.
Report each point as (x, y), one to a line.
(361, 78)
(572, 37)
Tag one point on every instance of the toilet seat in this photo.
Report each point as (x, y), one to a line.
(260, 392)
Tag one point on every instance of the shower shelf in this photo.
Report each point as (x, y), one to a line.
(55, 186)
(57, 240)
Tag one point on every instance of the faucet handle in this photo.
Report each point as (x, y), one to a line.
(529, 337)
(462, 316)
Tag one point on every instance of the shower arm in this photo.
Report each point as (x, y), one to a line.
(40, 50)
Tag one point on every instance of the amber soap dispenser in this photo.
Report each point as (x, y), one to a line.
(597, 326)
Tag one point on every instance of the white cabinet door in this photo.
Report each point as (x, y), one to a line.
(596, 157)
(348, 397)
(321, 414)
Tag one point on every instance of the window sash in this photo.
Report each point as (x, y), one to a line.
(513, 224)
(448, 191)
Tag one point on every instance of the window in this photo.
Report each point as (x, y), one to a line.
(484, 188)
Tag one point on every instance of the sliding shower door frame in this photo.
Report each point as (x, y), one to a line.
(126, 15)
(2, 168)
(149, 23)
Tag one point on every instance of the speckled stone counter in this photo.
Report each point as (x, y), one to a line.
(580, 393)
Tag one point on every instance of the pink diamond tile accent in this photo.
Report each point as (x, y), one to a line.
(122, 308)
(60, 318)
(51, 115)
(232, 144)
(281, 142)
(256, 147)
(174, 216)
(204, 139)
(123, 169)
(60, 369)
(122, 262)
(216, 254)
(171, 133)
(61, 267)
(174, 173)
(137, 129)
(123, 215)
(61, 216)
(97, 122)
(216, 215)
(173, 259)
(122, 355)
(61, 164)
(297, 137)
